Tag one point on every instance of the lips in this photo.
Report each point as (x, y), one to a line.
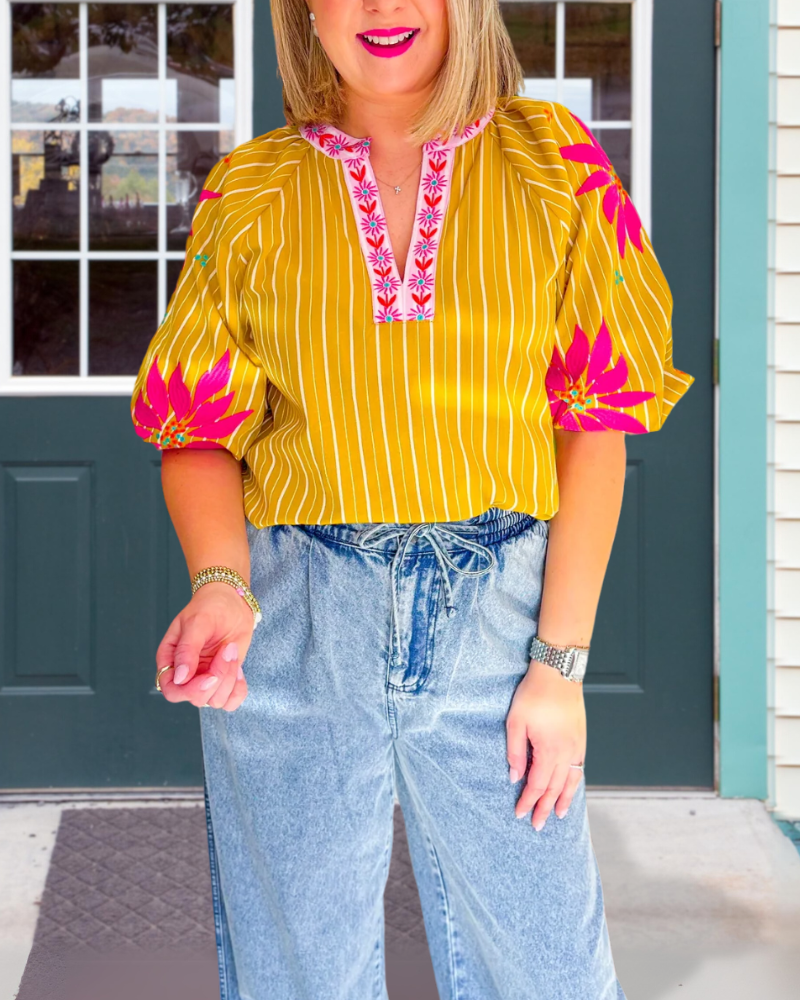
(386, 42)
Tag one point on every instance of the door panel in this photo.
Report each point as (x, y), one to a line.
(47, 507)
(91, 572)
(662, 733)
(649, 686)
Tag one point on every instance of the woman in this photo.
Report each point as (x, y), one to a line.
(402, 312)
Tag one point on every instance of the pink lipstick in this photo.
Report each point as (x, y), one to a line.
(388, 42)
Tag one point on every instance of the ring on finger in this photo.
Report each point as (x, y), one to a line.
(158, 675)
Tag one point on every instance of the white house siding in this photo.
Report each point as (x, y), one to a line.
(784, 415)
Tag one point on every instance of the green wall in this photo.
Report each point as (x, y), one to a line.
(743, 306)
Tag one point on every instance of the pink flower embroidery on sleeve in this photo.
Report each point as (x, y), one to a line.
(581, 385)
(180, 420)
(616, 201)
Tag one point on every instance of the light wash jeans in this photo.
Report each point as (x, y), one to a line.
(386, 663)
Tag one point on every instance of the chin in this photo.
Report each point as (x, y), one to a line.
(396, 88)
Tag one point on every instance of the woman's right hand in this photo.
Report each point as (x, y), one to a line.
(205, 646)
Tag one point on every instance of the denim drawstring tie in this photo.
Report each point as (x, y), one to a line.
(436, 533)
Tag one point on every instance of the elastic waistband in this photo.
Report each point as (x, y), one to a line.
(488, 528)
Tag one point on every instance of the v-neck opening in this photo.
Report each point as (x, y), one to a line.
(382, 210)
(396, 299)
(411, 297)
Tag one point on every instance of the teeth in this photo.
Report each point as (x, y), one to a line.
(389, 39)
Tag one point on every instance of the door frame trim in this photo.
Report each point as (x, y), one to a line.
(741, 398)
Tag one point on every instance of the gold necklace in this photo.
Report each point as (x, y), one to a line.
(396, 186)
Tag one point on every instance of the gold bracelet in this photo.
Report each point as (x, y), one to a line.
(224, 574)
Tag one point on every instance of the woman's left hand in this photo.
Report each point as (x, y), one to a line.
(548, 711)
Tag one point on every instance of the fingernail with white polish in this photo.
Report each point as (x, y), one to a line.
(513, 775)
(240, 673)
(181, 673)
(230, 652)
(209, 682)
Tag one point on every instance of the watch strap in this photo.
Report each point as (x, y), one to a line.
(570, 661)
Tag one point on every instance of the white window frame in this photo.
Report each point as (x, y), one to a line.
(85, 384)
(641, 122)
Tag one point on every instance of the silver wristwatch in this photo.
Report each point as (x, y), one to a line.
(571, 661)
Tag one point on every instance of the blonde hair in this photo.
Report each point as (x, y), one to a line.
(479, 71)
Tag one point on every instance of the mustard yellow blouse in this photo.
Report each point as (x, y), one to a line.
(531, 298)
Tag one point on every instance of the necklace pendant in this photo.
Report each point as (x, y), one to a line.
(397, 189)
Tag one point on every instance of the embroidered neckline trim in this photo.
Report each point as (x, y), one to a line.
(396, 299)
(339, 145)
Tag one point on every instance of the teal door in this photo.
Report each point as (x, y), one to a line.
(118, 112)
(90, 568)
(650, 700)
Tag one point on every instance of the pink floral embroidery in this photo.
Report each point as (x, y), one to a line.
(395, 299)
(616, 201)
(468, 133)
(420, 269)
(579, 387)
(335, 143)
(176, 416)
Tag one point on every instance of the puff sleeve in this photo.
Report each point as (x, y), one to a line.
(200, 384)
(611, 365)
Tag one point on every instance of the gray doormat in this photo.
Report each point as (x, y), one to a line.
(126, 912)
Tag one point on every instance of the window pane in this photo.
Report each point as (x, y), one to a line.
(190, 157)
(44, 169)
(123, 190)
(532, 28)
(123, 304)
(44, 62)
(598, 60)
(46, 321)
(200, 61)
(174, 268)
(617, 144)
(123, 62)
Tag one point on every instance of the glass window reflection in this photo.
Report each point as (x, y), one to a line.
(45, 68)
(617, 144)
(200, 61)
(123, 298)
(46, 324)
(123, 62)
(45, 172)
(598, 54)
(532, 29)
(123, 190)
(174, 268)
(190, 157)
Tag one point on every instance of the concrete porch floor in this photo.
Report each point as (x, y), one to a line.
(702, 894)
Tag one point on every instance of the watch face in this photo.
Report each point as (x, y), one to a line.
(579, 663)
